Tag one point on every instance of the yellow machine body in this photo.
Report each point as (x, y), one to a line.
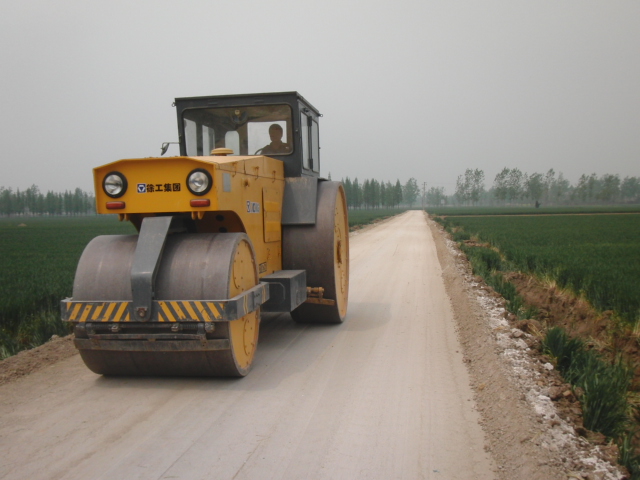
(250, 229)
(246, 196)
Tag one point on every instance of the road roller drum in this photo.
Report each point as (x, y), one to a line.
(193, 267)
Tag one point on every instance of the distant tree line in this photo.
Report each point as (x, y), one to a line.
(436, 196)
(380, 194)
(33, 202)
(511, 186)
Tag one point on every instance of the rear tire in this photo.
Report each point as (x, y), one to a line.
(323, 251)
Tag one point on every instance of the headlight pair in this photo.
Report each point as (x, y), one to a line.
(199, 182)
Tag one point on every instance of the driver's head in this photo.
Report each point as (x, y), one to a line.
(275, 132)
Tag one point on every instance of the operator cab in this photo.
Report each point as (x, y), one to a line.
(280, 125)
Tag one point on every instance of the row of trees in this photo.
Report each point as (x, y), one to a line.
(436, 196)
(33, 202)
(376, 194)
(512, 186)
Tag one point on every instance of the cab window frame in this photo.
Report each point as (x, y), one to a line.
(310, 141)
(197, 122)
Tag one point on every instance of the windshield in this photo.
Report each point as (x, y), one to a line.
(258, 130)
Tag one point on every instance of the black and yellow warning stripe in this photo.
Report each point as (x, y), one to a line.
(95, 311)
(190, 311)
(168, 310)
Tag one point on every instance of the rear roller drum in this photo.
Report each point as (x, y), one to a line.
(193, 267)
(323, 251)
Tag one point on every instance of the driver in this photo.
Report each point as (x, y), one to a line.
(276, 146)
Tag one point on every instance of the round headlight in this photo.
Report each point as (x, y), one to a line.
(114, 184)
(199, 182)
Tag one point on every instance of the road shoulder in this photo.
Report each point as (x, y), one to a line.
(30, 361)
(526, 436)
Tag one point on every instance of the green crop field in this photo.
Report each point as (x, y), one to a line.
(37, 265)
(366, 216)
(520, 210)
(597, 256)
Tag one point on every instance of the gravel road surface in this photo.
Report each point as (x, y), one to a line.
(385, 395)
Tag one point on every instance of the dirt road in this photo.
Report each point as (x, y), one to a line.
(385, 395)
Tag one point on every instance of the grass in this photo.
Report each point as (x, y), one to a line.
(628, 456)
(37, 266)
(367, 216)
(602, 388)
(488, 264)
(595, 256)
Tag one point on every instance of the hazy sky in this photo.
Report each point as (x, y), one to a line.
(420, 89)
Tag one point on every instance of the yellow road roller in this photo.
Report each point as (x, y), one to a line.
(240, 223)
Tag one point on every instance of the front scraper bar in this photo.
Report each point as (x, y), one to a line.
(167, 310)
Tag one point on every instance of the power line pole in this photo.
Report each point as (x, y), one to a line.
(424, 187)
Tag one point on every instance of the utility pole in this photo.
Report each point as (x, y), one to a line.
(424, 188)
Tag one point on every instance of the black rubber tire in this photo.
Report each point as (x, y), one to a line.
(323, 251)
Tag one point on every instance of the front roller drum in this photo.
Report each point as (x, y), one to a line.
(323, 251)
(193, 267)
